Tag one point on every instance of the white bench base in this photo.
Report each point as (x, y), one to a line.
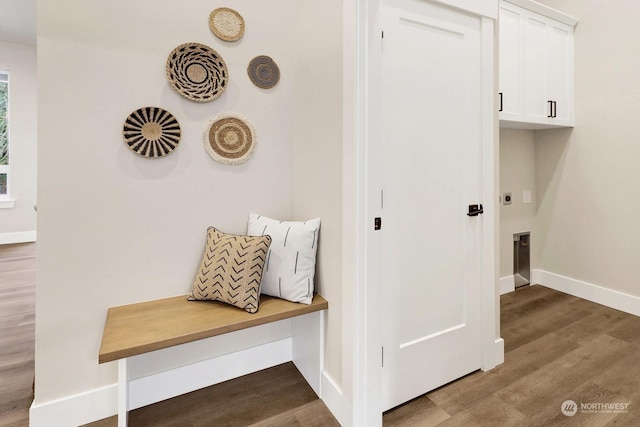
(305, 348)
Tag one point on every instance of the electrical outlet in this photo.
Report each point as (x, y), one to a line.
(506, 199)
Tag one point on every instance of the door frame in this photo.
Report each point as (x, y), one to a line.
(362, 371)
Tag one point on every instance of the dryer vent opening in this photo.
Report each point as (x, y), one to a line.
(522, 259)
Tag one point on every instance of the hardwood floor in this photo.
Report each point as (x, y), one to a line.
(17, 330)
(557, 348)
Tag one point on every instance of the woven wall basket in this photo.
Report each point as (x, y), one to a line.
(229, 139)
(226, 24)
(263, 72)
(197, 72)
(151, 132)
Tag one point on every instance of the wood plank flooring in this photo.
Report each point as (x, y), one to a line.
(557, 348)
(17, 331)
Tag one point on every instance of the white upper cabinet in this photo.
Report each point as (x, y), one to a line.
(535, 66)
(511, 65)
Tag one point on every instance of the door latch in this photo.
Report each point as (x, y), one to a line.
(475, 210)
(377, 223)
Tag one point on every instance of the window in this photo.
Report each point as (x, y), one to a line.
(4, 135)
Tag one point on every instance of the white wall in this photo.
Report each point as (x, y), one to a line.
(317, 153)
(115, 228)
(352, 156)
(19, 223)
(587, 179)
(517, 174)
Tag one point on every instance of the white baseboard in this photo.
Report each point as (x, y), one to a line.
(535, 277)
(76, 410)
(595, 293)
(332, 396)
(499, 351)
(18, 237)
(507, 284)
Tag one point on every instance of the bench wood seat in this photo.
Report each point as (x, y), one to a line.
(139, 328)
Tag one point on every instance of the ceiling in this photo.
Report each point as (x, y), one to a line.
(18, 21)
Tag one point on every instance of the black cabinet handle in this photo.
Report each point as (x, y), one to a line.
(553, 109)
(500, 94)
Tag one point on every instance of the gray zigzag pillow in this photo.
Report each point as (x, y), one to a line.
(231, 270)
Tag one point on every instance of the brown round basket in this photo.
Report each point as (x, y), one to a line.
(197, 72)
(226, 24)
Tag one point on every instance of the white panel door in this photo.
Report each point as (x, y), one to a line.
(424, 172)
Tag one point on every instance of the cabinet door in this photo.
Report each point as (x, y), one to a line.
(536, 69)
(560, 72)
(511, 63)
(536, 31)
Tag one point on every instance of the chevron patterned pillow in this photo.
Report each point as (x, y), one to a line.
(231, 270)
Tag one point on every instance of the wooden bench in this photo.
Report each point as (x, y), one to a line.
(132, 331)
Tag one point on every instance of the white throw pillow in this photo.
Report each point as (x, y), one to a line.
(291, 259)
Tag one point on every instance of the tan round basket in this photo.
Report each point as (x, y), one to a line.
(226, 24)
(197, 72)
(229, 139)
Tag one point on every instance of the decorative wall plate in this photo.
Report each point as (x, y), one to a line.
(151, 132)
(226, 24)
(197, 72)
(263, 72)
(229, 139)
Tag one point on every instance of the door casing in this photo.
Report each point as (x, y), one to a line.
(362, 366)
